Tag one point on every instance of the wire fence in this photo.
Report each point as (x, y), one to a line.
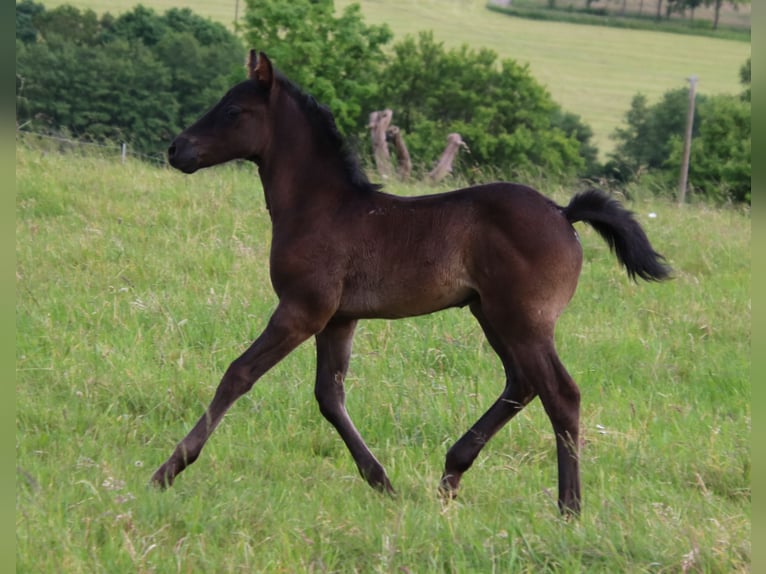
(69, 145)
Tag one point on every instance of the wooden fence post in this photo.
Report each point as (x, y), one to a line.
(379, 122)
(402, 153)
(444, 165)
(687, 141)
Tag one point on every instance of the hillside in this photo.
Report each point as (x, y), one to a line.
(136, 286)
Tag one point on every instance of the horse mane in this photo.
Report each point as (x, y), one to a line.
(322, 121)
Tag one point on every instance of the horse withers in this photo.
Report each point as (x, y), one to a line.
(343, 250)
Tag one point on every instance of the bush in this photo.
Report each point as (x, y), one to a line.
(338, 60)
(650, 146)
(506, 118)
(719, 166)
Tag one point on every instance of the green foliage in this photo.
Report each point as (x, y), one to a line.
(35, 23)
(27, 12)
(719, 166)
(646, 140)
(744, 78)
(508, 120)
(140, 24)
(122, 93)
(505, 117)
(573, 125)
(337, 59)
(652, 143)
(138, 78)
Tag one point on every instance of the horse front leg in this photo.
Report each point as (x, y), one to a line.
(333, 352)
(287, 328)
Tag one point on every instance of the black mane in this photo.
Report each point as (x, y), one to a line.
(323, 122)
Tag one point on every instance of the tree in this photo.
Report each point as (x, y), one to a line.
(646, 141)
(717, 8)
(720, 167)
(744, 78)
(572, 125)
(691, 5)
(651, 143)
(116, 93)
(140, 24)
(138, 78)
(337, 59)
(508, 121)
(27, 13)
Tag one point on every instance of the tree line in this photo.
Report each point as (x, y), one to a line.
(660, 8)
(143, 76)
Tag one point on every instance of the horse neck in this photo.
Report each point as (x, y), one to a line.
(298, 174)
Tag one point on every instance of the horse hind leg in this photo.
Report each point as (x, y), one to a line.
(333, 352)
(538, 364)
(561, 399)
(532, 368)
(515, 396)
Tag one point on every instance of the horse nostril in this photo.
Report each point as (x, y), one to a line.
(172, 150)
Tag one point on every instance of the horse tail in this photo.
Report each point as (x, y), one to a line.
(625, 237)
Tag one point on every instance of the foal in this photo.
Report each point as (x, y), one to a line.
(342, 251)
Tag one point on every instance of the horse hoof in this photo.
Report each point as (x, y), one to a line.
(448, 486)
(384, 486)
(161, 479)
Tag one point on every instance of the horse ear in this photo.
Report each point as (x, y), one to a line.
(259, 68)
(252, 61)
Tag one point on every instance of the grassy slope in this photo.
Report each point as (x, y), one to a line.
(135, 288)
(592, 71)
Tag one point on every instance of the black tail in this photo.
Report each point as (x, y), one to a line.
(621, 231)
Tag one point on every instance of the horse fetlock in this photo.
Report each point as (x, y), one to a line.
(570, 507)
(449, 485)
(376, 477)
(163, 477)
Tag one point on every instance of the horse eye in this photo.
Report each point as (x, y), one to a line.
(232, 112)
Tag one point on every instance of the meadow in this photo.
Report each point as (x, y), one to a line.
(592, 71)
(136, 286)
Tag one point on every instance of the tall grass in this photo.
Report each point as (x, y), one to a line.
(136, 286)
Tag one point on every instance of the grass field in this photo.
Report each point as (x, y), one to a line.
(592, 71)
(136, 286)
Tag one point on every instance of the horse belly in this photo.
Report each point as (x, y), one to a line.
(395, 295)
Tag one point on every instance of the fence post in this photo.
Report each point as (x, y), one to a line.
(687, 141)
(124, 151)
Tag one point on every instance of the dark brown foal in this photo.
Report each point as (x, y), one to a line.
(342, 250)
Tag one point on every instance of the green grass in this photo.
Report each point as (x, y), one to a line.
(136, 286)
(592, 71)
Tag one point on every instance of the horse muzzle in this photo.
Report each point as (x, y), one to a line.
(183, 155)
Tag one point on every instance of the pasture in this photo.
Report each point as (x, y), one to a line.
(592, 71)
(136, 286)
